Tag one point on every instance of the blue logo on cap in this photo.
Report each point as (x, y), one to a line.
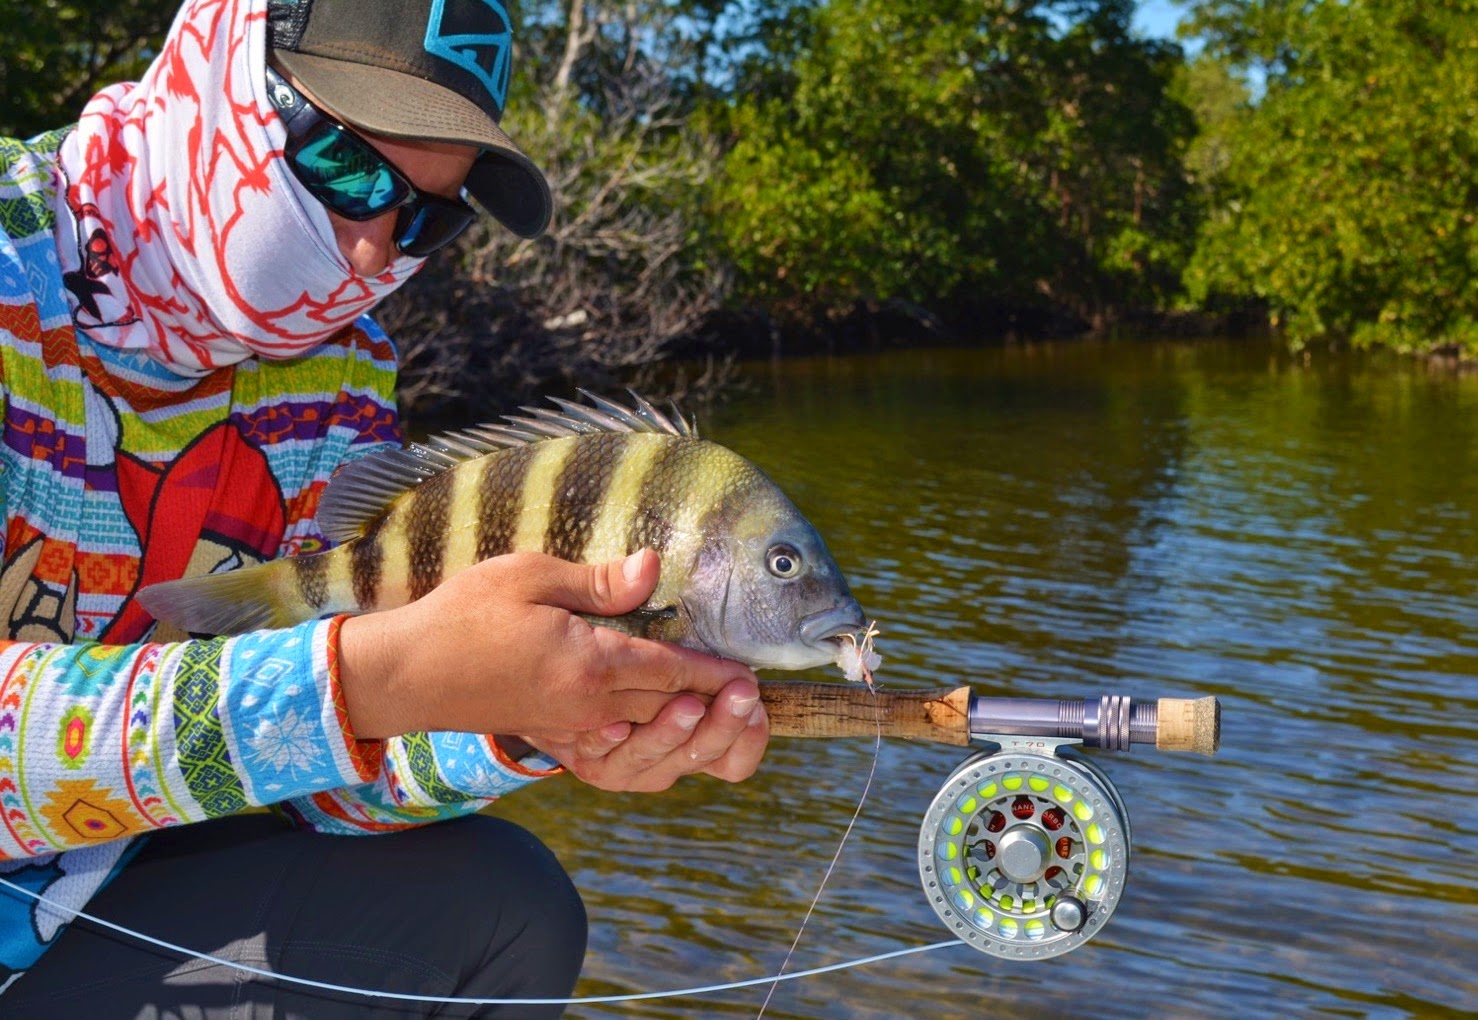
(486, 52)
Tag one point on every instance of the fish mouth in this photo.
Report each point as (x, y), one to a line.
(831, 624)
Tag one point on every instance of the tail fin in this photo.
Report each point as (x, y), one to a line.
(228, 603)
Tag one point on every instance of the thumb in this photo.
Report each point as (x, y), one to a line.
(610, 588)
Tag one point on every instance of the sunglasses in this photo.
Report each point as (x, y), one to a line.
(351, 177)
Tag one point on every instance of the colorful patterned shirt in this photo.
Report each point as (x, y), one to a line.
(115, 473)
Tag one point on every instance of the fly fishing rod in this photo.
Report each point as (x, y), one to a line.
(1024, 851)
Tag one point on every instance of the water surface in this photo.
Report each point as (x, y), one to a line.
(1142, 518)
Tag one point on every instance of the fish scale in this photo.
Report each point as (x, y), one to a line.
(426, 521)
(743, 573)
(499, 491)
(619, 523)
(312, 574)
(360, 572)
(591, 465)
(664, 520)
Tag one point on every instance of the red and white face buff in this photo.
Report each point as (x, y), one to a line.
(182, 231)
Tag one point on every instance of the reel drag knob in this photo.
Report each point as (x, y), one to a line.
(1025, 854)
(1068, 913)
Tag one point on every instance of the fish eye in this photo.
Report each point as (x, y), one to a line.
(783, 561)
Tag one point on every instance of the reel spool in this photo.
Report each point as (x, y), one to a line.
(1024, 853)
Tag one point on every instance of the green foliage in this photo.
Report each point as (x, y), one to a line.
(955, 154)
(1217, 98)
(829, 209)
(1263, 35)
(1350, 190)
(56, 55)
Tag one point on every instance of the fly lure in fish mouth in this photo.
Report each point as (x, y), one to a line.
(857, 657)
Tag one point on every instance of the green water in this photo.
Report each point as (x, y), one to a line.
(1150, 519)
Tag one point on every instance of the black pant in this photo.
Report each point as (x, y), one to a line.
(473, 908)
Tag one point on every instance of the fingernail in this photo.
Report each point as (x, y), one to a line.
(631, 568)
(743, 706)
(616, 732)
(687, 720)
(757, 716)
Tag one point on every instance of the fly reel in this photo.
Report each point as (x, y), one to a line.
(1025, 850)
(1025, 853)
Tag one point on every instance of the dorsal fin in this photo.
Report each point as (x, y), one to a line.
(364, 489)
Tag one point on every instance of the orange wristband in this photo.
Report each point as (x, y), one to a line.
(367, 755)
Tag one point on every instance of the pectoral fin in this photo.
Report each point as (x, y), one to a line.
(656, 623)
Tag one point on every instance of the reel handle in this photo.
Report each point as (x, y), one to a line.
(799, 708)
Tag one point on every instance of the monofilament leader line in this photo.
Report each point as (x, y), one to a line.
(877, 752)
(444, 1000)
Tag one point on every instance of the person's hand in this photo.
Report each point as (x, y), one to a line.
(725, 738)
(498, 649)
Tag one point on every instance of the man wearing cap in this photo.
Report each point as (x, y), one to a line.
(185, 359)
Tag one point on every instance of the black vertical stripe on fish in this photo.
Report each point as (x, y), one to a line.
(427, 518)
(583, 480)
(311, 573)
(671, 470)
(366, 568)
(499, 493)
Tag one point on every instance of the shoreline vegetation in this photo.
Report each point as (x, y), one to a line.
(741, 180)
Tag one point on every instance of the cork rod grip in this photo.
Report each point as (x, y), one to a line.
(1188, 724)
(798, 708)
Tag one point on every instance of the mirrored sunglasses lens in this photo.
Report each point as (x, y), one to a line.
(422, 230)
(347, 175)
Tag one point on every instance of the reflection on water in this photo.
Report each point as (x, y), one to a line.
(1151, 519)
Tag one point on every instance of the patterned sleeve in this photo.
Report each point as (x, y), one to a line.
(98, 742)
(413, 779)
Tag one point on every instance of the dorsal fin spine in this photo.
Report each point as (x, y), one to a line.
(363, 490)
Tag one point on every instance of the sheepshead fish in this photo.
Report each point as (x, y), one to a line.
(744, 575)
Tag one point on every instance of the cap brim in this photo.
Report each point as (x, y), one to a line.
(505, 182)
